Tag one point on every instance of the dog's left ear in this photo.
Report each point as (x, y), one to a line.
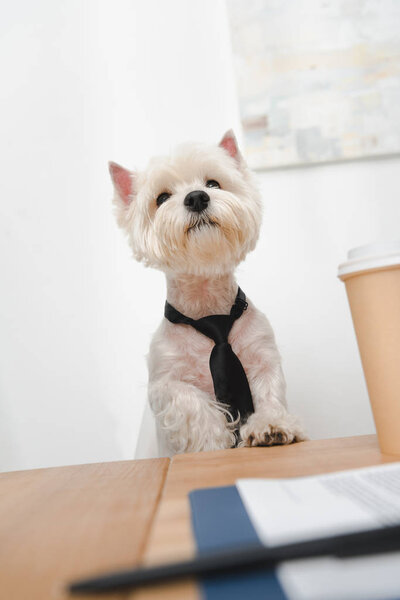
(229, 143)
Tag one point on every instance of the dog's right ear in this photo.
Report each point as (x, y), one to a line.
(124, 184)
(123, 181)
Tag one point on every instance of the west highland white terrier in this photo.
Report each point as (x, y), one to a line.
(195, 215)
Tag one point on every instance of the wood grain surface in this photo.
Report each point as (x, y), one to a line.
(171, 535)
(61, 524)
(65, 523)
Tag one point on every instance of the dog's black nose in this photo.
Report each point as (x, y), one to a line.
(197, 200)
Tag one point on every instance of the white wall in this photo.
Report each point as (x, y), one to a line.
(88, 81)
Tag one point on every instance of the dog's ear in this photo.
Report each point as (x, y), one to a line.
(124, 186)
(229, 143)
(123, 181)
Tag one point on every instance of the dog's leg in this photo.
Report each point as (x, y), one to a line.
(271, 423)
(191, 420)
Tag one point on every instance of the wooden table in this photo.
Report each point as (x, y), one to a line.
(64, 523)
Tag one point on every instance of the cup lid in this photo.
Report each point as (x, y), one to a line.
(371, 256)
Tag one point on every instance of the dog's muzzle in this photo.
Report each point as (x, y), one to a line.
(197, 201)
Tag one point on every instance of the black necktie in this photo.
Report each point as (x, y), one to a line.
(230, 382)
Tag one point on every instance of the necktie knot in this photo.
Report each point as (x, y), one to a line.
(216, 327)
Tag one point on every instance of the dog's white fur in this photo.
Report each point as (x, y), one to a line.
(199, 258)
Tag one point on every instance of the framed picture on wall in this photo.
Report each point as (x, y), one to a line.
(318, 81)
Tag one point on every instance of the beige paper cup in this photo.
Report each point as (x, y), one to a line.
(372, 278)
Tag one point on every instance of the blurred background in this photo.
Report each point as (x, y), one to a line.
(312, 90)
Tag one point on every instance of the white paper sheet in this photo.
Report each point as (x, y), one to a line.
(289, 510)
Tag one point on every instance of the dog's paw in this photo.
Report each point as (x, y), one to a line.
(219, 436)
(259, 431)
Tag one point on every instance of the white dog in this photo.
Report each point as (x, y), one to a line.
(195, 215)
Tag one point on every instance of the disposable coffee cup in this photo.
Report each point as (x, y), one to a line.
(372, 278)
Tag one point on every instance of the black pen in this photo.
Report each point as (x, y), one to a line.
(375, 541)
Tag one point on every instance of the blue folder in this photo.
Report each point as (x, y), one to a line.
(220, 521)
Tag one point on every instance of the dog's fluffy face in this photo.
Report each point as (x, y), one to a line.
(164, 232)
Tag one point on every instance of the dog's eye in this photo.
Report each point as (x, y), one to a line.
(162, 198)
(211, 183)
